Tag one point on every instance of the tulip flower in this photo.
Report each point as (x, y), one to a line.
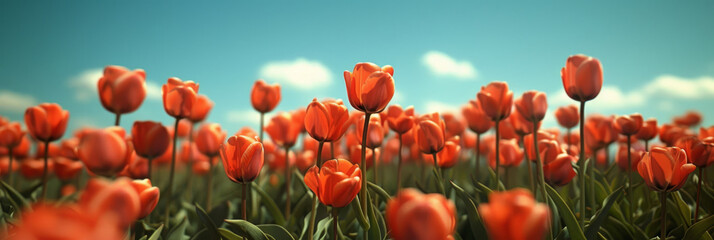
(412, 215)
(117, 198)
(567, 116)
(64, 222)
(284, 129)
(520, 125)
(369, 87)
(46, 123)
(201, 107)
(479, 123)
(635, 155)
(706, 132)
(104, 151)
(11, 135)
(449, 155)
(242, 161)
(532, 105)
(121, 90)
(208, 142)
(138, 168)
(355, 151)
(665, 169)
(648, 131)
(429, 133)
(375, 134)
(669, 134)
(68, 148)
(559, 172)
(454, 125)
(35, 168)
(689, 119)
(400, 120)
(335, 184)
(150, 140)
(326, 121)
(701, 154)
(628, 125)
(514, 215)
(264, 97)
(510, 155)
(66, 169)
(496, 101)
(148, 196)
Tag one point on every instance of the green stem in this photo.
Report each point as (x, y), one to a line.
(313, 210)
(148, 173)
(287, 183)
(116, 119)
(629, 180)
(478, 153)
(663, 217)
(581, 163)
(530, 168)
(44, 172)
(363, 191)
(399, 165)
(699, 190)
(209, 185)
(335, 221)
(439, 179)
(171, 174)
(539, 163)
(10, 179)
(375, 170)
(498, 157)
(262, 115)
(244, 201)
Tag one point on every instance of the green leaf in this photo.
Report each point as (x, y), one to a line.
(576, 233)
(276, 231)
(684, 212)
(17, 199)
(228, 235)
(477, 227)
(157, 233)
(377, 189)
(270, 205)
(247, 229)
(179, 231)
(361, 218)
(593, 228)
(212, 230)
(699, 229)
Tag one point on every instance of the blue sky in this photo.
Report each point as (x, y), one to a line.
(658, 56)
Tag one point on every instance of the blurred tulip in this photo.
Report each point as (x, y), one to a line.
(520, 125)
(476, 118)
(118, 198)
(529, 145)
(64, 222)
(148, 196)
(375, 131)
(277, 161)
(698, 152)
(242, 158)
(201, 167)
(185, 128)
(689, 119)
(670, 134)
(599, 132)
(179, 97)
(635, 157)
(201, 107)
(247, 131)
(66, 169)
(305, 160)
(5, 166)
(46, 122)
(665, 169)
(22, 150)
(104, 151)
(400, 121)
(369, 87)
(496, 100)
(138, 168)
(559, 172)
(209, 139)
(648, 130)
(336, 183)
(68, 148)
(121, 90)
(511, 154)
(326, 121)
(514, 215)
(429, 133)
(549, 150)
(412, 215)
(582, 77)
(532, 105)
(11, 135)
(34, 168)
(454, 125)
(283, 130)
(53, 150)
(150, 139)
(449, 155)
(567, 116)
(370, 156)
(628, 125)
(264, 97)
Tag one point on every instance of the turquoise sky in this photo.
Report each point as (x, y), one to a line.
(658, 56)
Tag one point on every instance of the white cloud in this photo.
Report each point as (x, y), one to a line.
(246, 116)
(399, 97)
(681, 88)
(441, 64)
(15, 102)
(301, 73)
(153, 91)
(441, 107)
(610, 97)
(85, 85)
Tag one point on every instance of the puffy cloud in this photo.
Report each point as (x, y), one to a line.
(15, 102)
(680, 88)
(441, 107)
(302, 74)
(441, 64)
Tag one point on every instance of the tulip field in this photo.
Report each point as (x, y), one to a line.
(357, 168)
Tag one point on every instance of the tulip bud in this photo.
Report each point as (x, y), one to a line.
(369, 87)
(496, 100)
(179, 97)
(120, 90)
(514, 215)
(336, 183)
(242, 158)
(104, 151)
(46, 122)
(567, 116)
(412, 215)
(582, 77)
(264, 97)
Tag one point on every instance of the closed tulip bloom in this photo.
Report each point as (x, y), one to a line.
(476, 118)
(104, 151)
(628, 124)
(648, 131)
(400, 120)
(454, 126)
(242, 158)
(64, 222)
(200, 168)
(121, 90)
(532, 105)
(66, 169)
(669, 134)
(46, 122)
(264, 97)
(34, 168)
(520, 125)
(511, 154)
(209, 139)
(283, 129)
(355, 152)
(636, 154)
(375, 131)
(582, 77)
(567, 116)
(698, 152)
(148, 196)
(247, 131)
(514, 215)
(559, 172)
(138, 168)
(529, 146)
(665, 169)
(68, 148)
(11, 135)
(549, 150)
(369, 87)
(118, 198)
(277, 160)
(305, 159)
(689, 119)
(336, 183)
(150, 139)
(201, 108)
(179, 97)
(449, 155)
(429, 133)
(412, 215)
(599, 131)
(327, 120)
(496, 100)
(507, 130)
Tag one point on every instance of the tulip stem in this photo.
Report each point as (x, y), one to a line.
(530, 168)
(332, 150)
(581, 163)
(699, 190)
(262, 115)
(244, 201)
(375, 170)
(363, 191)
(209, 185)
(148, 173)
(498, 157)
(629, 180)
(399, 164)
(647, 145)
(539, 164)
(313, 209)
(9, 169)
(437, 172)
(171, 174)
(567, 139)
(116, 119)
(663, 215)
(478, 153)
(335, 221)
(189, 174)
(44, 172)
(287, 183)
(507, 177)
(319, 161)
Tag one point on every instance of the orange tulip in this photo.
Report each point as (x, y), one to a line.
(559, 172)
(247, 131)
(201, 108)
(496, 100)
(449, 155)
(412, 215)
(375, 131)
(336, 183)
(689, 119)
(190, 153)
(284, 130)
(507, 130)
(369, 87)
(476, 118)
(148, 196)
(209, 139)
(104, 151)
(242, 158)
(46, 122)
(326, 121)
(305, 159)
(370, 155)
(454, 126)
(11, 135)
(520, 125)
(635, 157)
(698, 152)
(138, 168)
(22, 150)
(648, 131)
(511, 154)
(628, 125)
(117, 198)
(599, 132)
(68, 148)
(120, 90)
(277, 160)
(150, 139)
(34, 168)
(66, 169)
(514, 215)
(549, 150)
(532, 105)
(400, 120)
(582, 77)
(5, 165)
(200, 168)
(179, 97)
(429, 133)
(670, 134)
(567, 116)
(706, 132)
(64, 222)
(665, 169)
(529, 146)
(264, 97)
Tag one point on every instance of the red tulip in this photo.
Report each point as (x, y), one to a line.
(511, 154)
(68, 148)
(336, 183)
(34, 168)
(370, 155)
(117, 198)
(305, 159)
(429, 133)
(64, 222)
(200, 168)
(697, 151)
(514, 215)
(209, 139)
(150, 139)
(283, 129)
(148, 196)
(532, 105)
(665, 169)
(327, 120)
(648, 130)
(689, 119)
(567, 116)
(635, 157)
(449, 155)
(66, 169)
(138, 168)
(520, 125)
(201, 107)
(375, 131)
(179, 97)
(46, 122)
(476, 118)
(400, 121)
(599, 132)
(507, 130)
(628, 125)
(242, 158)
(5, 165)
(369, 87)
(582, 77)
(104, 151)
(264, 97)
(529, 146)
(670, 134)
(277, 160)
(412, 215)
(454, 126)
(496, 100)
(559, 172)
(247, 131)
(190, 153)
(120, 90)
(11, 135)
